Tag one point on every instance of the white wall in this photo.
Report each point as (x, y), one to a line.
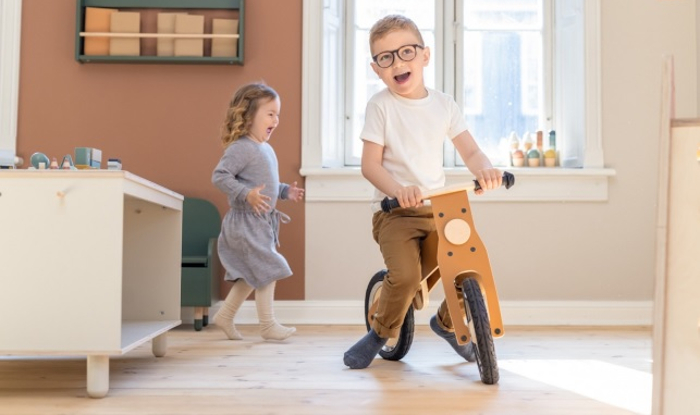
(598, 251)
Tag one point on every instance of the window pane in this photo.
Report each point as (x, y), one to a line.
(503, 89)
(503, 14)
(332, 107)
(365, 81)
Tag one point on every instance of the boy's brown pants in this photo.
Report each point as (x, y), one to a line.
(399, 235)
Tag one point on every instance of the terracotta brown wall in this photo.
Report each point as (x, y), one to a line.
(162, 120)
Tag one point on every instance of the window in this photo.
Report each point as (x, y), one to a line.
(10, 18)
(499, 75)
(512, 65)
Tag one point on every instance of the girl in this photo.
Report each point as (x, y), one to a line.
(248, 175)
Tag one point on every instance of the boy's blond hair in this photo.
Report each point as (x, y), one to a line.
(391, 23)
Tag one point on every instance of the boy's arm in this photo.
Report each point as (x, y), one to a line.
(373, 171)
(477, 162)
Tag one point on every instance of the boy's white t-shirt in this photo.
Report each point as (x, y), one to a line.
(412, 132)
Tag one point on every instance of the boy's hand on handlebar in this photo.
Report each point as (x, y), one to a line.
(488, 179)
(409, 196)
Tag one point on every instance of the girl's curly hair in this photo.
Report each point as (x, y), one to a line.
(242, 109)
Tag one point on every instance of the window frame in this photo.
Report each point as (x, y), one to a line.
(10, 30)
(340, 183)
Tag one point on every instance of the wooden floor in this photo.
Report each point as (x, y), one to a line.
(554, 370)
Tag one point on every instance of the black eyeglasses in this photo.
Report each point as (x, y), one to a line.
(406, 53)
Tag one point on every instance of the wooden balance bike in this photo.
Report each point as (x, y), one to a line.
(455, 255)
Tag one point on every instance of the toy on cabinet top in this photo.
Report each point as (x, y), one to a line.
(39, 160)
(67, 163)
(114, 164)
(88, 158)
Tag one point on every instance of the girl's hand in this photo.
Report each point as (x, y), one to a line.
(295, 193)
(258, 200)
(489, 179)
(409, 196)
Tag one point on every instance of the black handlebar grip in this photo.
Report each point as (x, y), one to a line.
(508, 181)
(389, 204)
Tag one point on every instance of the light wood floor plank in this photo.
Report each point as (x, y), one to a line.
(560, 370)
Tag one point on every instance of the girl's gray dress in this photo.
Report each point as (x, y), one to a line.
(248, 243)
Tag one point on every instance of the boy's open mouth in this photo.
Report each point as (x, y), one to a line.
(402, 78)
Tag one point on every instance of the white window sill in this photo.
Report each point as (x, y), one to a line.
(534, 184)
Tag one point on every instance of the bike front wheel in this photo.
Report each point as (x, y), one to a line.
(480, 328)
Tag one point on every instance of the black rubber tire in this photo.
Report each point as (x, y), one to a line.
(479, 323)
(395, 349)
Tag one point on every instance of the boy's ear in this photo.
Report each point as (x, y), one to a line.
(375, 68)
(426, 56)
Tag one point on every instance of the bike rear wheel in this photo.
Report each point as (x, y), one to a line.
(480, 327)
(395, 349)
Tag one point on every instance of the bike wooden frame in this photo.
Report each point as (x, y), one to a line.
(451, 254)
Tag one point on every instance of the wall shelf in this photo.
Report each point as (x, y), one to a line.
(131, 5)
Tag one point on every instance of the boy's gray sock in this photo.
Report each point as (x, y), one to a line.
(464, 350)
(363, 352)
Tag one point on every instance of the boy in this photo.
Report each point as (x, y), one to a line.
(402, 156)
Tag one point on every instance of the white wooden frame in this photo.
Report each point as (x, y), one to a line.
(10, 30)
(667, 115)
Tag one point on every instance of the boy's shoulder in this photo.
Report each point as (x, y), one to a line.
(440, 96)
(383, 95)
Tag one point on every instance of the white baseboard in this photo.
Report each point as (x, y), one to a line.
(515, 313)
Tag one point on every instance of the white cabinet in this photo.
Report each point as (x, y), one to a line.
(89, 265)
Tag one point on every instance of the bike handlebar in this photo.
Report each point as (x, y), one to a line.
(389, 204)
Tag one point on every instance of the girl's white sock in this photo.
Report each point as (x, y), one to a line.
(270, 329)
(224, 318)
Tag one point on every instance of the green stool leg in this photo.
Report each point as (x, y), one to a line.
(198, 318)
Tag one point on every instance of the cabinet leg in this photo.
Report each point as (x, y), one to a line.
(205, 317)
(160, 345)
(97, 376)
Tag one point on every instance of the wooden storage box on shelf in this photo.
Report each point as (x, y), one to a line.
(224, 47)
(166, 24)
(189, 25)
(125, 22)
(97, 19)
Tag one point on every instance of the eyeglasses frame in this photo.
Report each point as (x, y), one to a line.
(396, 52)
